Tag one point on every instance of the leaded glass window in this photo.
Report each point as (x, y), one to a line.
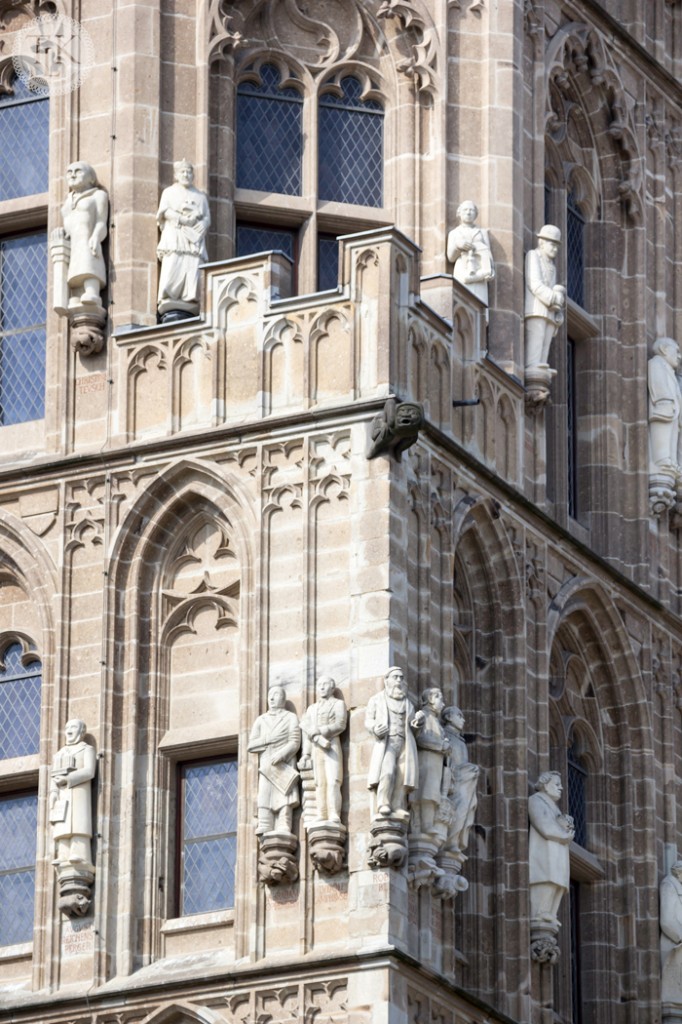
(18, 825)
(208, 844)
(23, 290)
(24, 134)
(269, 135)
(20, 686)
(351, 146)
(252, 238)
(577, 806)
(575, 250)
(327, 262)
(571, 430)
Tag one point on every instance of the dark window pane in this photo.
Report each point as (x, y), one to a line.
(24, 132)
(19, 706)
(575, 251)
(327, 262)
(209, 836)
(571, 430)
(18, 824)
(269, 135)
(577, 777)
(23, 288)
(252, 238)
(351, 147)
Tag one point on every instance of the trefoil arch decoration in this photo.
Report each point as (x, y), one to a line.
(580, 74)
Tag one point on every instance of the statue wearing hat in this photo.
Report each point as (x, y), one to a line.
(184, 219)
(545, 299)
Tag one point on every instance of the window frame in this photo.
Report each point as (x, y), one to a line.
(307, 214)
(179, 839)
(11, 949)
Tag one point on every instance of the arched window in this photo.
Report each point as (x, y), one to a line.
(20, 692)
(20, 686)
(23, 290)
(575, 250)
(350, 146)
(324, 144)
(24, 133)
(269, 134)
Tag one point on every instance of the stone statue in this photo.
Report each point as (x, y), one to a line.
(71, 775)
(550, 836)
(76, 249)
(322, 724)
(468, 247)
(664, 405)
(545, 299)
(671, 935)
(276, 738)
(184, 219)
(460, 782)
(85, 215)
(432, 746)
(391, 719)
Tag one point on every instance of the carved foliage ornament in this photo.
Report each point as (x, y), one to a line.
(324, 34)
(576, 50)
(11, 9)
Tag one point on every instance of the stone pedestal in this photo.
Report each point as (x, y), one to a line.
(277, 858)
(87, 329)
(75, 888)
(388, 845)
(450, 881)
(538, 381)
(662, 495)
(422, 867)
(327, 844)
(671, 1013)
(544, 948)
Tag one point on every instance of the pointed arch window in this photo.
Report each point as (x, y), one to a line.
(350, 145)
(577, 798)
(269, 134)
(18, 827)
(20, 690)
(24, 135)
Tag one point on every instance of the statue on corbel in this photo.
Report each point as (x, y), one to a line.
(276, 739)
(71, 775)
(392, 720)
(549, 868)
(544, 314)
(444, 802)
(79, 271)
(665, 403)
(321, 767)
(183, 218)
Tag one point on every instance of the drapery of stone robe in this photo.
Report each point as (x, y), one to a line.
(276, 734)
(663, 388)
(181, 246)
(431, 757)
(331, 713)
(84, 214)
(671, 939)
(71, 806)
(377, 714)
(548, 842)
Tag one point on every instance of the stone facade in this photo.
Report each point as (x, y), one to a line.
(196, 519)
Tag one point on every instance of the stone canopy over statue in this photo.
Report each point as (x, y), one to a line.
(184, 219)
